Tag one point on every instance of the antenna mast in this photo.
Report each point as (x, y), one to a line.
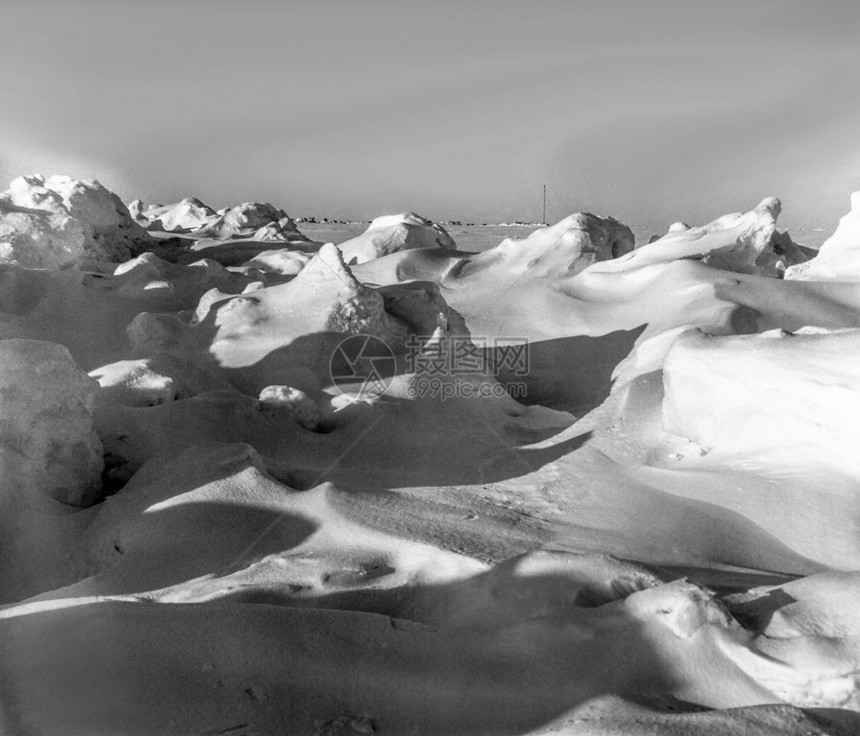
(543, 221)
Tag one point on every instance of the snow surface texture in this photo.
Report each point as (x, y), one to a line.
(220, 531)
(781, 394)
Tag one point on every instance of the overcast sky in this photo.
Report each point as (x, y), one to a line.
(454, 109)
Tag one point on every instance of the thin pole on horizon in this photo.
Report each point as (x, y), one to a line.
(543, 221)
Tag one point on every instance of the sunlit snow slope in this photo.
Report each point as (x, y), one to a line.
(253, 484)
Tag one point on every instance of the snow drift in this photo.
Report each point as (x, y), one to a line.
(395, 233)
(211, 533)
(780, 394)
(563, 249)
(838, 259)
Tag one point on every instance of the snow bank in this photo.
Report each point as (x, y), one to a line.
(839, 256)
(47, 442)
(393, 233)
(64, 223)
(741, 242)
(807, 638)
(780, 395)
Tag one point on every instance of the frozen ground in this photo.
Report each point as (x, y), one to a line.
(255, 483)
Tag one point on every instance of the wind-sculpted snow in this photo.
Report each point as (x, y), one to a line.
(807, 638)
(564, 249)
(297, 325)
(741, 242)
(579, 288)
(395, 233)
(251, 220)
(282, 261)
(188, 215)
(565, 485)
(838, 259)
(90, 313)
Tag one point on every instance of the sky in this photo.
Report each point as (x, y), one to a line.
(651, 112)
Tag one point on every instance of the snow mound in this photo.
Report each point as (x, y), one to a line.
(839, 256)
(327, 293)
(251, 221)
(282, 261)
(281, 334)
(90, 313)
(421, 306)
(563, 249)
(47, 442)
(186, 284)
(255, 221)
(294, 403)
(741, 242)
(62, 222)
(188, 215)
(810, 628)
(394, 233)
(133, 383)
(776, 394)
